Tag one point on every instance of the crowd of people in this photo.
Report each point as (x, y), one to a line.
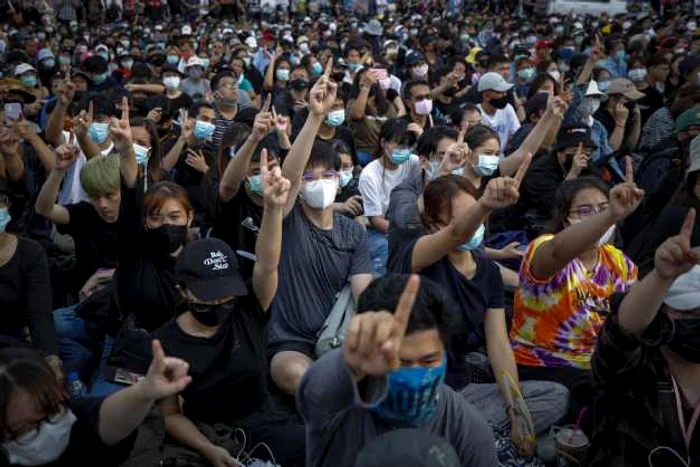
(406, 234)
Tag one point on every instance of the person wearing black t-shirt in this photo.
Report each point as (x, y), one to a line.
(221, 332)
(333, 127)
(40, 427)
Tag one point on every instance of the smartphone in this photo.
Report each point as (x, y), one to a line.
(380, 73)
(13, 113)
(126, 377)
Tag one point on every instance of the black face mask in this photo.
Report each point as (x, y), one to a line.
(299, 84)
(211, 315)
(157, 60)
(499, 103)
(166, 239)
(686, 339)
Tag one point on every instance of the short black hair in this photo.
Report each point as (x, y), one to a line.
(431, 310)
(197, 106)
(410, 84)
(396, 130)
(429, 140)
(323, 155)
(214, 83)
(496, 59)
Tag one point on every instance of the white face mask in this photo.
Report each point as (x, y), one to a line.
(320, 194)
(171, 83)
(48, 444)
(556, 75)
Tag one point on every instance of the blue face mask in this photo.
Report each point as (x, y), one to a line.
(433, 167)
(99, 78)
(335, 117)
(487, 165)
(399, 156)
(49, 63)
(620, 55)
(172, 59)
(205, 62)
(475, 241)
(5, 219)
(255, 185)
(601, 64)
(459, 171)
(98, 132)
(141, 153)
(345, 177)
(316, 69)
(204, 130)
(412, 396)
(28, 81)
(354, 67)
(104, 55)
(603, 85)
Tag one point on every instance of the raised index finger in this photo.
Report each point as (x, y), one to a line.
(158, 354)
(629, 171)
(405, 305)
(263, 163)
(329, 68)
(125, 109)
(462, 133)
(90, 109)
(524, 165)
(688, 224)
(266, 105)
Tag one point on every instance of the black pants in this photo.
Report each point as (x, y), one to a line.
(282, 431)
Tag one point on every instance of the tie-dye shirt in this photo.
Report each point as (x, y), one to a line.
(556, 321)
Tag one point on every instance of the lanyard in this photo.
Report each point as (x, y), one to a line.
(687, 434)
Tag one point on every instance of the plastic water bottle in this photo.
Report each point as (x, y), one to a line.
(76, 387)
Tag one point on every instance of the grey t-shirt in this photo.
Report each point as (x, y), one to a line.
(314, 266)
(339, 423)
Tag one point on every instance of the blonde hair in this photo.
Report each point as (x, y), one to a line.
(100, 175)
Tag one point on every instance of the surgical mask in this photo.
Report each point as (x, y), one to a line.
(49, 63)
(335, 117)
(141, 153)
(165, 239)
(211, 315)
(63, 60)
(246, 60)
(345, 177)
(603, 63)
(50, 442)
(5, 219)
(28, 81)
(104, 55)
(556, 75)
(354, 67)
(172, 59)
(384, 84)
(98, 132)
(424, 107)
(125, 43)
(195, 72)
(499, 103)
(474, 242)
(433, 167)
(99, 78)
(320, 194)
(255, 184)
(282, 74)
(203, 130)
(399, 156)
(459, 171)
(620, 55)
(527, 74)
(421, 71)
(316, 69)
(304, 48)
(637, 74)
(127, 64)
(412, 396)
(205, 62)
(686, 339)
(590, 105)
(486, 165)
(171, 83)
(604, 85)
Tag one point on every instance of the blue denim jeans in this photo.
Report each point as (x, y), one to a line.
(378, 245)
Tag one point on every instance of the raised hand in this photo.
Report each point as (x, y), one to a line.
(368, 79)
(415, 128)
(557, 106)
(66, 154)
(120, 129)
(323, 93)
(621, 113)
(625, 197)
(281, 121)
(166, 376)
(275, 186)
(457, 154)
(675, 256)
(579, 162)
(9, 142)
(186, 126)
(197, 161)
(66, 90)
(21, 128)
(373, 340)
(82, 122)
(352, 206)
(505, 191)
(155, 115)
(264, 121)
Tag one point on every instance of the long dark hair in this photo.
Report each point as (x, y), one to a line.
(155, 172)
(381, 103)
(565, 196)
(438, 196)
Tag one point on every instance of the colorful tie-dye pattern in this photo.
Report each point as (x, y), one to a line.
(556, 321)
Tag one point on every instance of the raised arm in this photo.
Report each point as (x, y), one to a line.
(44, 152)
(81, 125)
(321, 99)
(54, 127)
(359, 106)
(269, 244)
(237, 168)
(500, 193)
(552, 256)
(120, 131)
(281, 125)
(186, 128)
(673, 258)
(66, 154)
(269, 82)
(11, 153)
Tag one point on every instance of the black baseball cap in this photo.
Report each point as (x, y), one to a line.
(408, 447)
(573, 135)
(209, 269)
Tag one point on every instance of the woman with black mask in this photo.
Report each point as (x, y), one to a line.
(647, 365)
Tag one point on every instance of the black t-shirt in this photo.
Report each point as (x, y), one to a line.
(86, 446)
(229, 369)
(342, 132)
(145, 282)
(237, 222)
(652, 101)
(96, 241)
(472, 298)
(183, 101)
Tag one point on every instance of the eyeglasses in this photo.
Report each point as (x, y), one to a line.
(327, 175)
(587, 210)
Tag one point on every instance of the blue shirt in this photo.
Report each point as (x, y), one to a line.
(617, 68)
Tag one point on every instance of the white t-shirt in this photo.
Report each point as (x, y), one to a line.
(376, 184)
(504, 122)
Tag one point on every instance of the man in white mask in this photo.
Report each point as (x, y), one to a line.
(321, 252)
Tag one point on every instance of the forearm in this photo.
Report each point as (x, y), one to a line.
(547, 124)
(42, 150)
(49, 192)
(503, 365)
(298, 157)
(520, 113)
(54, 126)
(267, 252)
(183, 430)
(585, 76)
(616, 137)
(640, 306)
(400, 108)
(122, 413)
(633, 137)
(148, 88)
(357, 112)
(379, 223)
(128, 166)
(269, 82)
(171, 158)
(283, 140)
(89, 148)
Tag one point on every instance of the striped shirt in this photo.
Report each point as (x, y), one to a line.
(659, 127)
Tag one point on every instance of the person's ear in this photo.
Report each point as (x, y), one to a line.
(190, 219)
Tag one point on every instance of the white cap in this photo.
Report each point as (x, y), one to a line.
(194, 61)
(186, 30)
(493, 82)
(684, 293)
(251, 42)
(23, 68)
(593, 90)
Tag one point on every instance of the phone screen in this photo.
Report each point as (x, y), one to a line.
(13, 113)
(380, 73)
